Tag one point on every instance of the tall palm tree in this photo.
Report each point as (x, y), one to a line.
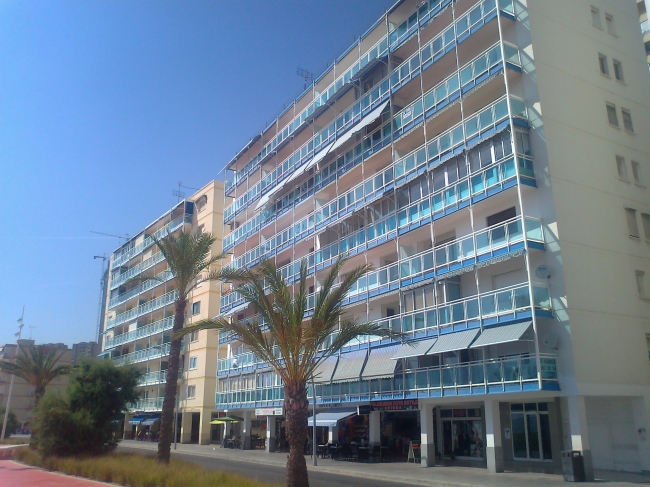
(38, 368)
(188, 257)
(304, 342)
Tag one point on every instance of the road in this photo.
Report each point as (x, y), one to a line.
(268, 473)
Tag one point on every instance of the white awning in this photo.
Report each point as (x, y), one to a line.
(502, 334)
(379, 362)
(350, 365)
(329, 419)
(365, 121)
(414, 349)
(317, 158)
(450, 342)
(323, 372)
(266, 197)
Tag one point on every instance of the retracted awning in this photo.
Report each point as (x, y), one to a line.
(323, 372)
(350, 365)
(502, 334)
(379, 362)
(365, 121)
(329, 419)
(414, 349)
(151, 420)
(137, 419)
(453, 341)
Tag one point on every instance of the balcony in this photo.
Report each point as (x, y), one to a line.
(151, 404)
(143, 332)
(120, 279)
(144, 355)
(488, 376)
(157, 377)
(161, 278)
(148, 307)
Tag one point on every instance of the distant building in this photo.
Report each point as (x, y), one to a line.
(23, 398)
(643, 6)
(84, 349)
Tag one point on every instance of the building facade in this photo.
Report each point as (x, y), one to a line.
(490, 160)
(83, 350)
(139, 318)
(643, 7)
(22, 396)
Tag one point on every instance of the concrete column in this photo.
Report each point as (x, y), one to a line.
(374, 428)
(246, 431)
(186, 427)
(333, 434)
(270, 433)
(427, 446)
(641, 409)
(579, 433)
(127, 426)
(493, 444)
(205, 427)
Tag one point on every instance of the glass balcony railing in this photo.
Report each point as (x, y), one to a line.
(144, 308)
(150, 404)
(162, 277)
(120, 279)
(645, 26)
(471, 377)
(157, 377)
(120, 258)
(143, 355)
(142, 332)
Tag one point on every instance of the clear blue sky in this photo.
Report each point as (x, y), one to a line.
(106, 105)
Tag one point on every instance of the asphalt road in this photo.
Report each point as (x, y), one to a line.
(268, 473)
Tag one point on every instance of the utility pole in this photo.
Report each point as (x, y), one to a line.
(11, 384)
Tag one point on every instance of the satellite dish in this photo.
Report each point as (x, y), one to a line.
(550, 340)
(543, 272)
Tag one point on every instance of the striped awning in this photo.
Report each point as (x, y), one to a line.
(414, 349)
(350, 365)
(365, 121)
(323, 372)
(379, 362)
(137, 419)
(502, 334)
(454, 341)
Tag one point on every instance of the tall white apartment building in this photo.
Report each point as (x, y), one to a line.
(139, 318)
(491, 159)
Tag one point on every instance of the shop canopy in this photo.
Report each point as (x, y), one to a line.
(454, 341)
(329, 419)
(137, 419)
(414, 349)
(323, 372)
(350, 366)
(379, 362)
(151, 420)
(502, 334)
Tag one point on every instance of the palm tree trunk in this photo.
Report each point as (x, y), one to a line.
(169, 401)
(33, 438)
(296, 410)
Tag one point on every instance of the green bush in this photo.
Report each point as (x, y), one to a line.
(12, 422)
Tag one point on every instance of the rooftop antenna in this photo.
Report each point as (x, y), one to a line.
(124, 237)
(181, 194)
(31, 329)
(308, 76)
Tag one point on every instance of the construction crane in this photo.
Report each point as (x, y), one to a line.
(124, 237)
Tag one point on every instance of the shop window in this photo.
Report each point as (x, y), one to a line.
(612, 117)
(602, 61)
(621, 168)
(531, 431)
(462, 433)
(632, 225)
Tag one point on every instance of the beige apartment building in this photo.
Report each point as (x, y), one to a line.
(491, 159)
(139, 318)
(22, 396)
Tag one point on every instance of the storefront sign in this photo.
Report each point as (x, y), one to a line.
(268, 412)
(397, 405)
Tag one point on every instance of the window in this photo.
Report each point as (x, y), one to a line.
(627, 120)
(191, 392)
(645, 218)
(602, 60)
(595, 18)
(612, 118)
(531, 431)
(636, 172)
(196, 308)
(621, 168)
(201, 203)
(640, 283)
(618, 70)
(194, 363)
(501, 216)
(609, 21)
(523, 143)
(632, 227)
(194, 336)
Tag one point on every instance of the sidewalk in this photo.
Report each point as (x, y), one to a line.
(398, 472)
(14, 474)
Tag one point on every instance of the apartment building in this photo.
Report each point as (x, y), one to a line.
(490, 158)
(83, 350)
(139, 318)
(643, 7)
(22, 395)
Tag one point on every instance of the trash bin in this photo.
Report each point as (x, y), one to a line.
(573, 466)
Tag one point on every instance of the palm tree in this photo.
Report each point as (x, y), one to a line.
(38, 368)
(188, 258)
(304, 342)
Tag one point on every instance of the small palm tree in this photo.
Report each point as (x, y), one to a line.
(304, 342)
(188, 257)
(38, 368)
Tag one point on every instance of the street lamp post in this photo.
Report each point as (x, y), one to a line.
(11, 384)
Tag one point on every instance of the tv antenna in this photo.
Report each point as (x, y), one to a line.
(308, 76)
(181, 194)
(124, 237)
(31, 329)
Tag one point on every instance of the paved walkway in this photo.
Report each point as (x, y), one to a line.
(398, 472)
(13, 474)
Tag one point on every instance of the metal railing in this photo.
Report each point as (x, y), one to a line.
(163, 277)
(143, 355)
(117, 281)
(157, 377)
(150, 404)
(144, 308)
(142, 332)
